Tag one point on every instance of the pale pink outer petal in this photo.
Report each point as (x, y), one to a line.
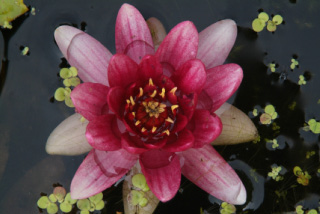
(207, 127)
(85, 53)
(216, 41)
(100, 133)
(90, 99)
(122, 71)
(133, 36)
(179, 46)
(190, 77)
(162, 172)
(222, 82)
(100, 170)
(209, 171)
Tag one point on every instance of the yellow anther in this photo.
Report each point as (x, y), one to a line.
(133, 113)
(154, 93)
(167, 132)
(169, 120)
(163, 91)
(137, 122)
(173, 90)
(143, 129)
(128, 101)
(132, 101)
(150, 82)
(144, 103)
(153, 129)
(173, 107)
(153, 104)
(140, 92)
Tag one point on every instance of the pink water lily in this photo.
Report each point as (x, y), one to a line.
(155, 107)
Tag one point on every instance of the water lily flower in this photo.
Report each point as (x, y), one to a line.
(155, 107)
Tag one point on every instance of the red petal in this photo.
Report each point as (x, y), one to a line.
(116, 100)
(180, 45)
(188, 104)
(216, 41)
(222, 82)
(90, 99)
(209, 171)
(181, 142)
(132, 34)
(100, 133)
(190, 77)
(150, 67)
(162, 172)
(157, 144)
(206, 127)
(99, 171)
(132, 144)
(122, 71)
(180, 123)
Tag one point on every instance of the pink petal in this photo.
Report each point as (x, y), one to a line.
(162, 172)
(180, 45)
(216, 41)
(209, 171)
(222, 82)
(150, 67)
(116, 100)
(180, 123)
(133, 37)
(181, 142)
(132, 144)
(156, 144)
(205, 127)
(99, 171)
(90, 99)
(85, 53)
(122, 71)
(100, 134)
(190, 77)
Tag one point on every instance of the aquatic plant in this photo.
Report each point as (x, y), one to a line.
(154, 107)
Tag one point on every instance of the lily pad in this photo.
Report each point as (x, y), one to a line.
(10, 10)
(314, 126)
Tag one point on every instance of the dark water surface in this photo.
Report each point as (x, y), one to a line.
(27, 116)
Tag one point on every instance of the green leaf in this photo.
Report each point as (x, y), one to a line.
(100, 205)
(43, 202)
(271, 26)
(68, 102)
(263, 16)
(314, 126)
(258, 25)
(96, 198)
(74, 71)
(65, 207)
(52, 208)
(84, 204)
(10, 10)
(59, 94)
(52, 198)
(277, 19)
(69, 199)
(65, 73)
(59, 193)
(143, 202)
(136, 197)
(74, 81)
(139, 181)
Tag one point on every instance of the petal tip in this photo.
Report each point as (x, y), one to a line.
(242, 196)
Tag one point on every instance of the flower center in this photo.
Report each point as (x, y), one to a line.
(151, 109)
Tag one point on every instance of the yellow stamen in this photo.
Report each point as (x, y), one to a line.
(169, 120)
(137, 122)
(133, 113)
(150, 82)
(167, 132)
(154, 93)
(128, 101)
(141, 92)
(153, 129)
(173, 107)
(163, 91)
(143, 129)
(173, 90)
(132, 101)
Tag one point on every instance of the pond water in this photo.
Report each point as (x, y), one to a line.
(28, 115)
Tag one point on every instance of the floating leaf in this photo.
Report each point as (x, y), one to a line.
(302, 80)
(10, 10)
(258, 25)
(65, 73)
(100, 205)
(277, 19)
(263, 16)
(74, 71)
(271, 26)
(136, 197)
(52, 198)
(52, 208)
(43, 202)
(65, 207)
(59, 193)
(69, 199)
(139, 181)
(314, 126)
(59, 94)
(84, 204)
(157, 31)
(96, 198)
(272, 67)
(269, 109)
